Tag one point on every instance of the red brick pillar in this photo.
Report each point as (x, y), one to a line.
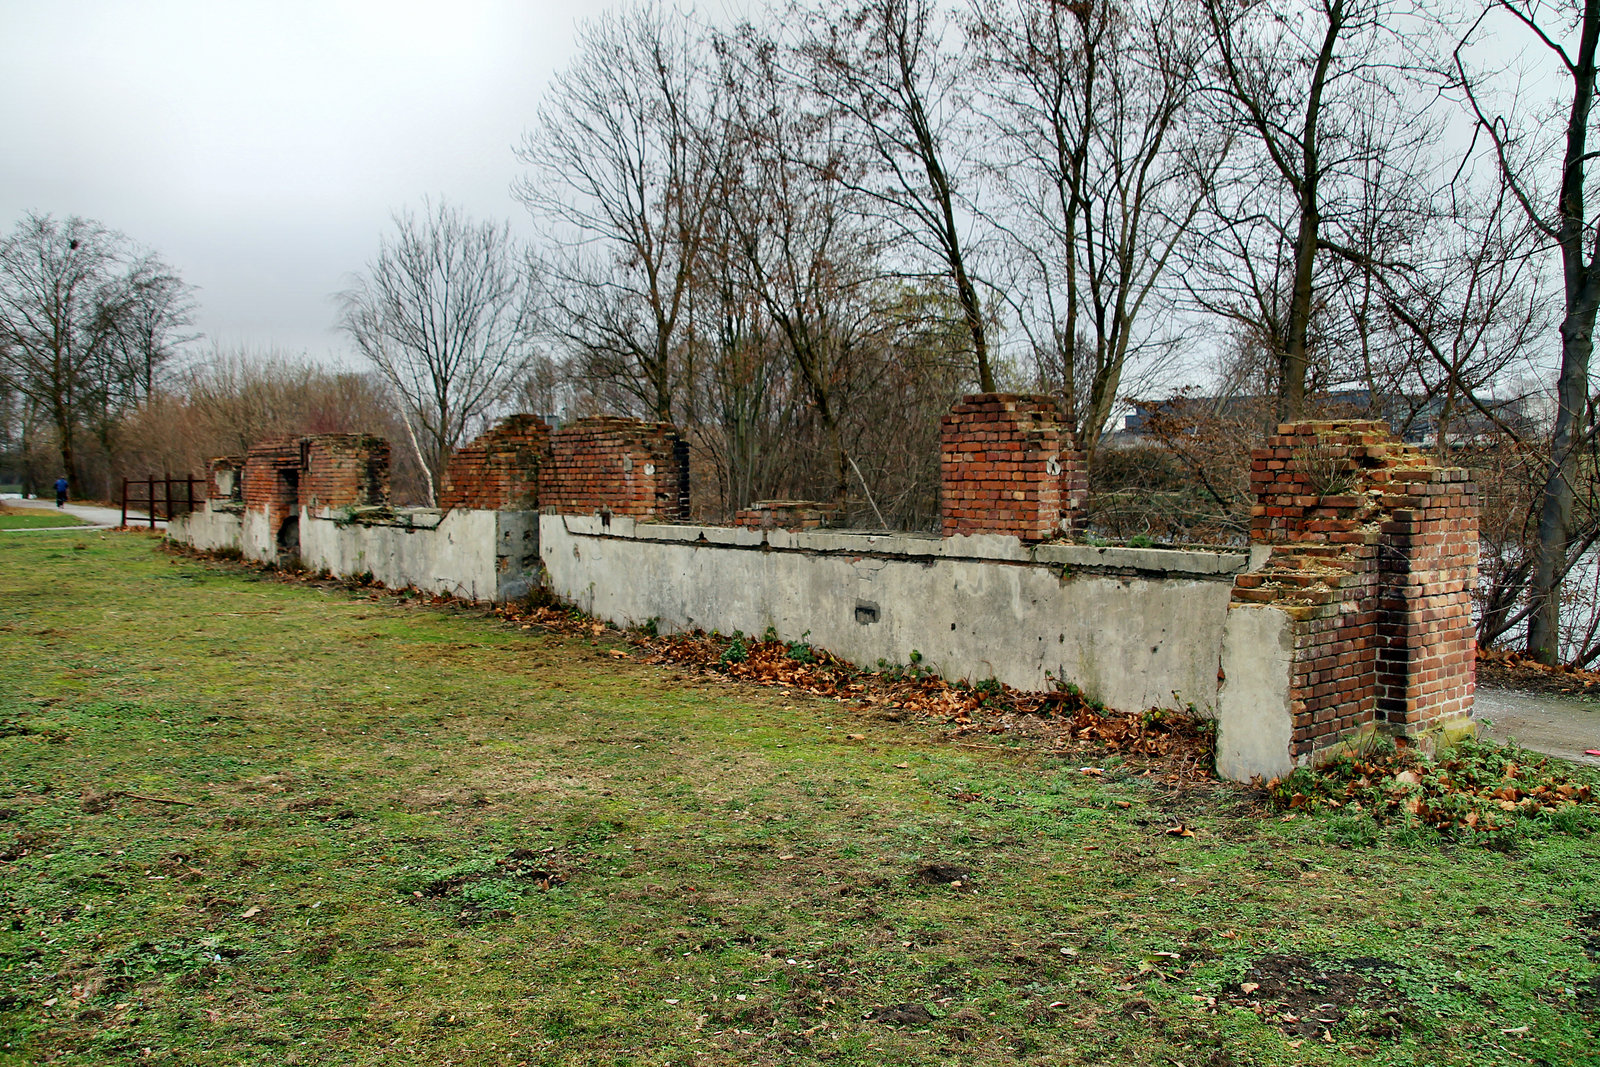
(618, 466)
(1314, 508)
(1372, 568)
(1010, 466)
(271, 479)
(343, 470)
(499, 470)
(1427, 641)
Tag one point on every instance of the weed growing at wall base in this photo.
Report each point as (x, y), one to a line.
(295, 824)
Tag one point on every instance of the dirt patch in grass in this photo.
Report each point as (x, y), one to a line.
(1309, 996)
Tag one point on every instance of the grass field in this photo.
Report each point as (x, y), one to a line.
(17, 518)
(244, 821)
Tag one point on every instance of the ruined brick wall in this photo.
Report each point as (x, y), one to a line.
(224, 479)
(499, 470)
(271, 481)
(1010, 466)
(342, 470)
(787, 515)
(621, 466)
(1374, 557)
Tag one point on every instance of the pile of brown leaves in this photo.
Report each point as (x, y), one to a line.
(1506, 669)
(1478, 786)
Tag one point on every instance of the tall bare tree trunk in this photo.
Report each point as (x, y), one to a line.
(1581, 275)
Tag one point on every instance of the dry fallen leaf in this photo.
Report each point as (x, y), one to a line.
(1249, 987)
(902, 766)
(252, 913)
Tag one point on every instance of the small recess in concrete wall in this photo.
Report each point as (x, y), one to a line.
(866, 612)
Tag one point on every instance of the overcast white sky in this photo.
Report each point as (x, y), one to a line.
(261, 146)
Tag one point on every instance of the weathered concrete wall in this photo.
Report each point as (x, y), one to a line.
(478, 555)
(474, 554)
(210, 528)
(1132, 627)
(1255, 714)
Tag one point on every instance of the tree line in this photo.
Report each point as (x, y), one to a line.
(800, 237)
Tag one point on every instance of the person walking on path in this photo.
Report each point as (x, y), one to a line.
(61, 492)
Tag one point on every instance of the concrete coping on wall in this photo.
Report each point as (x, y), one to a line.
(1213, 564)
(383, 515)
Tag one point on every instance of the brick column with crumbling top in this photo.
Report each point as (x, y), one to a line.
(1009, 465)
(1372, 562)
(343, 470)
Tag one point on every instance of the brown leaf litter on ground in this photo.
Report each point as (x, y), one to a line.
(1172, 745)
(1504, 669)
(1474, 786)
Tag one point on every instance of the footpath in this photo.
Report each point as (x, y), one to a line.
(97, 517)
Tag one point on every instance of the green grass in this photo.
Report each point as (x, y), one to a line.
(32, 519)
(416, 835)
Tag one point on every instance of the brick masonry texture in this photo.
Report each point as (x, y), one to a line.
(1008, 465)
(617, 466)
(500, 469)
(284, 474)
(343, 470)
(787, 515)
(271, 479)
(1374, 558)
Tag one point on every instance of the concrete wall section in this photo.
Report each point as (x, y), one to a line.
(209, 530)
(1255, 713)
(1132, 627)
(476, 555)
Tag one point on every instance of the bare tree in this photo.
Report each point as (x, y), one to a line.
(622, 175)
(884, 68)
(75, 300)
(1104, 167)
(226, 401)
(1562, 214)
(157, 312)
(1326, 93)
(799, 240)
(445, 314)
